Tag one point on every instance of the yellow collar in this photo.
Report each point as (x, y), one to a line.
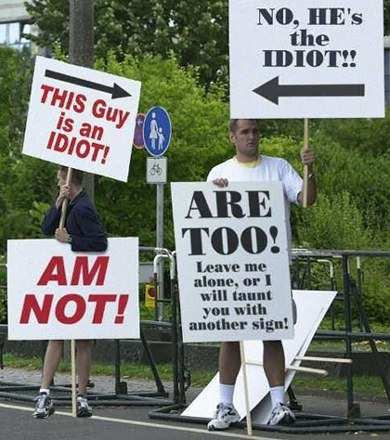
(252, 164)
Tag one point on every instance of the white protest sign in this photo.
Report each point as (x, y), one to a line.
(306, 59)
(81, 118)
(54, 293)
(233, 263)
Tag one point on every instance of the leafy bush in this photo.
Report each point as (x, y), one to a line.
(335, 223)
(199, 141)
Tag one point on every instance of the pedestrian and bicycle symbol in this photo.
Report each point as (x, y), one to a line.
(156, 170)
(157, 131)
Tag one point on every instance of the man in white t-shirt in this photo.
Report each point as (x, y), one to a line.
(248, 166)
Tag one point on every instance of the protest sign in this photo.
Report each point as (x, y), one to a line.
(233, 263)
(81, 118)
(54, 293)
(292, 59)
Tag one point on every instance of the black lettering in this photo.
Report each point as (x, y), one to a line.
(200, 202)
(224, 246)
(195, 239)
(259, 204)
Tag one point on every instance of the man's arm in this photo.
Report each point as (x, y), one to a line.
(92, 237)
(51, 221)
(307, 157)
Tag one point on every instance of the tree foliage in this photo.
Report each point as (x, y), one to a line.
(199, 141)
(196, 32)
(386, 6)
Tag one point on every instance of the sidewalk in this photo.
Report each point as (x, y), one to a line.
(103, 384)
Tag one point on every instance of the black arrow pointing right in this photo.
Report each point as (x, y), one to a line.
(272, 90)
(115, 91)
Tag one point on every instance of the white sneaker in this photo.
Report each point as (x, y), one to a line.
(82, 408)
(281, 415)
(224, 416)
(44, 406)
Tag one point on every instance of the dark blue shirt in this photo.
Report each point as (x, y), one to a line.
(82, 223)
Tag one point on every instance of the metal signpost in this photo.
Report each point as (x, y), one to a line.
(157, 133)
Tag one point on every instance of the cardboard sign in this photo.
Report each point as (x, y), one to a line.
(311, 308)
(308, 59)
(81, 118)
(54, 293)
(233, 263)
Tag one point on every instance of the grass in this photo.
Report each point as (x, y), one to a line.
(369, 387)
(339, 346)
(366, 386)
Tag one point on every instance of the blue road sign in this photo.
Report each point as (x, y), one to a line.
(157, 131)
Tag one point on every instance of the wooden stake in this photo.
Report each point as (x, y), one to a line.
(246, 390)
(323, 359)
(305, 168)
(297, 368)
(73, 362)
(64, 206)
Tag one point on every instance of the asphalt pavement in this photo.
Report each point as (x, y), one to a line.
(133, 422)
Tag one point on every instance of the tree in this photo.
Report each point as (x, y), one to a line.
(196, 32)
(386, 5)
(23, 180)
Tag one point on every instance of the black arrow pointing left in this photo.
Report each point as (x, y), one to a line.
(272, 90)
(115, 91)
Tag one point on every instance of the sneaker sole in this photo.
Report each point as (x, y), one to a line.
(44, 416)
(288, 420)
(214, 428)
(84, 414)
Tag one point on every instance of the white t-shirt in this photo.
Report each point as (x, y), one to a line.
(269, 169)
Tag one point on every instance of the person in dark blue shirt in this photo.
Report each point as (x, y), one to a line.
(85, 233)
(83, 228)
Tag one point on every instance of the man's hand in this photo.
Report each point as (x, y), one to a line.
(62, 235)
(64, 194)
(222, 183)
(307, 156)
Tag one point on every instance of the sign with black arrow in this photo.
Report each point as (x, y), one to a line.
(272, 90)
(81, 118)
(292, 59)
(115, 91)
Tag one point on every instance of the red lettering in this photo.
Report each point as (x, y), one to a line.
(41, 312)
(100, 306)
(78, 313)
(122, 303)
(46, 89)
(63, 98)
(55, 271)
(79, 106)
(82, 275)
